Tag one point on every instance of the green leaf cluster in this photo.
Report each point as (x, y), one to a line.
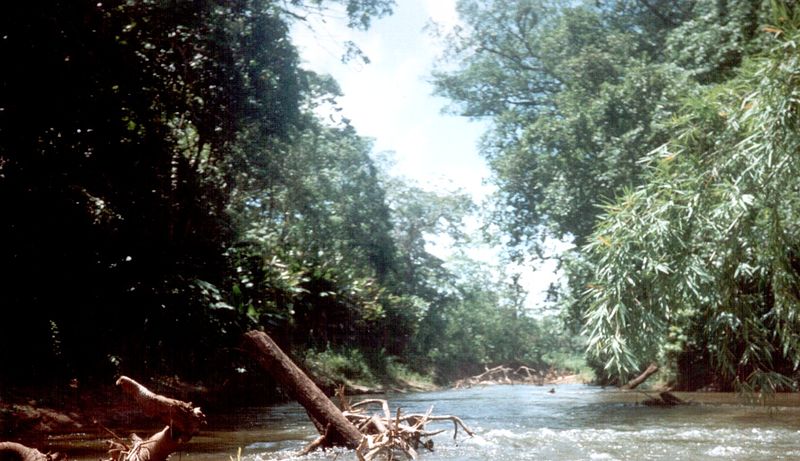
(573, 97)
(135, 137)
(703, 255)
(657, 136)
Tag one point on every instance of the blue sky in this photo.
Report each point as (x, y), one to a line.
(390, 100)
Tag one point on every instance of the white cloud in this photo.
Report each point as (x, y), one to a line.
(442, 12)
(390, 98)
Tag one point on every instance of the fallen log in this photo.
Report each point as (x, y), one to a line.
(183, 421)
(370, 435)
(671, 399)
(12, 451)
(635, 382)
(183, 417)
(338, 430)
(157, 447)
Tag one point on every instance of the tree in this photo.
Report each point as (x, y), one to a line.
(573, 98)
(703, 256)
(316, 247)
(712, 43)
(125, 127)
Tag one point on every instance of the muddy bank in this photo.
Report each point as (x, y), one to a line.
(30, 412)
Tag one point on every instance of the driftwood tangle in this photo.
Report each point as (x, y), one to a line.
(384, 434)
(370, 434)
(505, 375)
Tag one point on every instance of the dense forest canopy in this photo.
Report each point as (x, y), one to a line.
(167, 183)
(658, 136)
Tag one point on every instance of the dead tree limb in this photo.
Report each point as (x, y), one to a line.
(156, 448)
(671, 399)
(181, 416)
(632, 384)
(339, 431)
(665, 399)
(530, 373)
(12, 451)
(493, 372)
(183, 421)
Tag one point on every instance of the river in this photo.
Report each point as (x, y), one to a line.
(512, 423)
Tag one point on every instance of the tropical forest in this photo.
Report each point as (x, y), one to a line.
(190, 219)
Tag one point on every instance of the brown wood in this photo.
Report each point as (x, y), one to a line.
(670, 398)
(635, 382)
(156, 448)
(12, 451)
(665, 399)
(184, 418)
(339, 431)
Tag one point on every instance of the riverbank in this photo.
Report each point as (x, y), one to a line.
(28, 412)
(515, 423)
(70, 408)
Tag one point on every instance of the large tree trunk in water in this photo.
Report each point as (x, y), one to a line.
(632, 384)
(338, 430)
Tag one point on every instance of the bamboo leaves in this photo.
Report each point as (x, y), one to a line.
(710, 240)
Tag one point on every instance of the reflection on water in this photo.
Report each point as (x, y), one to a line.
(526, 423)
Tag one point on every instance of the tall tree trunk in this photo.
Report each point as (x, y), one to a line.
(338, 430)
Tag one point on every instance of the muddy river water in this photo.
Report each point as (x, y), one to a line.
(576, 422)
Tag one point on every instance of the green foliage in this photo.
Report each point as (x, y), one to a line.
(369, 368)
(344, 366)
(690, 262)
(117, 129)
(713, 41)
(418, 215)
(484, 322)
(704, 254)
(131, 133)
(318, 258)
(359, 12)
(573, 97)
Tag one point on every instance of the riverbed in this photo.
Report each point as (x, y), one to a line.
(576, 422)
